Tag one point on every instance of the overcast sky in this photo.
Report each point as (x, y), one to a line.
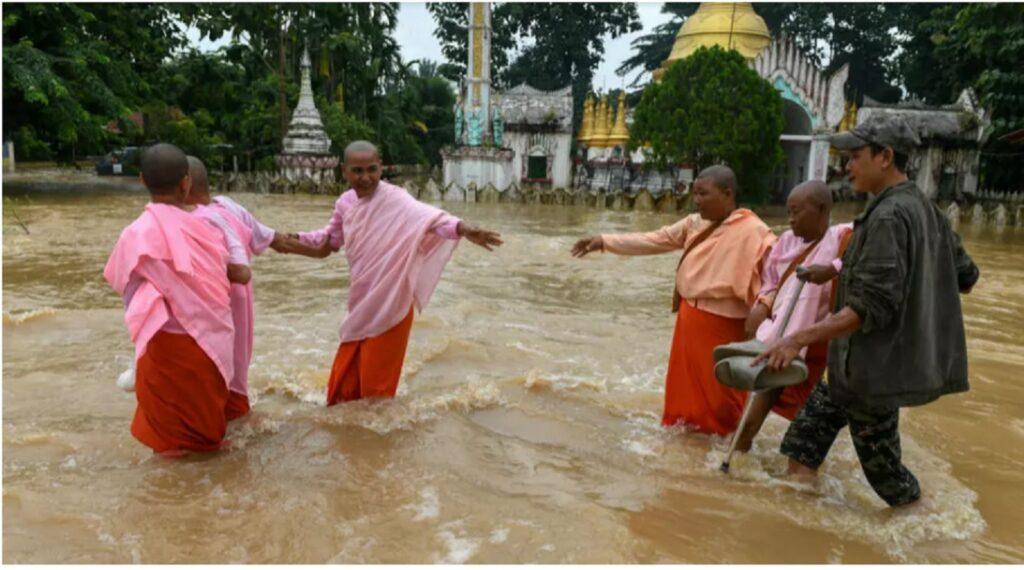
(415, 35)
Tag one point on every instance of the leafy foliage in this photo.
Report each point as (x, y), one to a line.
(979, 46)
(712, 108)
(650, 50)
(71, 68)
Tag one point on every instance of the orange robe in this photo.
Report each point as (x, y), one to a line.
(719, 281)
(181, 396)
(236, 406)
(370, 368)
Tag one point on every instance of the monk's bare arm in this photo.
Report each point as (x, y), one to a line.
(836, 325)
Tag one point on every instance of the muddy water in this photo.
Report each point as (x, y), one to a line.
(525, 429)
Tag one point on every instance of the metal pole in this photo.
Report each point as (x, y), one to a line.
(755, 394)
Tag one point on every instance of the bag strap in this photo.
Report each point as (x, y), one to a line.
(844, 242)
(703, 235)
(792, 267)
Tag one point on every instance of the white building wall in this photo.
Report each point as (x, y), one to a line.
(556, 146)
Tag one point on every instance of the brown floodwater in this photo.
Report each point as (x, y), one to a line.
(525, 428)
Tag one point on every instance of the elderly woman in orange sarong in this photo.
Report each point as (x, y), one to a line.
(717, 282)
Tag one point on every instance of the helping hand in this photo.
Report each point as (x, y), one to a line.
(779, 354)
(587, 245)
(817, 274)
(479, 236)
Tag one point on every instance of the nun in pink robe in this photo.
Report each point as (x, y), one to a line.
(397, 248)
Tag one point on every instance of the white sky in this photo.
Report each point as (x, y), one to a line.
(415, 36)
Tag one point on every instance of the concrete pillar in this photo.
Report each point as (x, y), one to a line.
(10, 157)
(817, 158)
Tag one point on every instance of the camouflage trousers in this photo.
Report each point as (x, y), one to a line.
(875, 435)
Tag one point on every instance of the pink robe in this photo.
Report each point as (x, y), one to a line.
(254, 238)
(813, 304)
(394, 252)
(178, 264)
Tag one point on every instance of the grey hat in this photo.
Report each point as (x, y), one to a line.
(882, 129)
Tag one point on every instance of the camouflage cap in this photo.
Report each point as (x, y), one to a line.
(882, 129)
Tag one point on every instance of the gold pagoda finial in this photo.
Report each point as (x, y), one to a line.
(731, 25)
(619, 134)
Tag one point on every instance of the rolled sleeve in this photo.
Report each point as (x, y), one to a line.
(448, 227)
(877, 284)
(334, 230)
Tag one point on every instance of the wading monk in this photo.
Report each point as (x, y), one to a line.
(245, 237)
(396, 248)
(718, 279)
(170, 267)
(809, 243)
(897, 336)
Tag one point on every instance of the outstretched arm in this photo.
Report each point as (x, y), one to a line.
(486, 239)
(290, 243)
(661, 240)
(836, 325)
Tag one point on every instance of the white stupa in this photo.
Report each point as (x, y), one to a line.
(307, 148)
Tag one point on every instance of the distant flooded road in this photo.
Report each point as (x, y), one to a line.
(526, 428)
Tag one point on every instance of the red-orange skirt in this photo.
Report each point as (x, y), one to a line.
(692, 393)
(794, 397)
(181, 396)
(370, 368)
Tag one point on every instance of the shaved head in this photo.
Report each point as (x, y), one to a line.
(357, 147)
(721, 176)
(163, 167)
(816, 192)
(200, 180)
(809, 206)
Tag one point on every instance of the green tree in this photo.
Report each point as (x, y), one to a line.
(833, 34)
(712, 108)
(69, 69)
(452, 19)
(979, 46)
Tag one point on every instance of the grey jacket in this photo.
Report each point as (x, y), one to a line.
(902, 274)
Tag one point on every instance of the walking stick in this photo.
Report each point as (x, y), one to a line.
(758, 393)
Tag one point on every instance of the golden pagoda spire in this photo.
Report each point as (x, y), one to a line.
(619, 134)
(731, 25)
(587, 124)
(601, 125)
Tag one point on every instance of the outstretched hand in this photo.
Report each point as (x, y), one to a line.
(481, 237)
(587, 245)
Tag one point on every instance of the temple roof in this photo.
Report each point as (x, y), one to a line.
(525, 105)
(961, 121)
